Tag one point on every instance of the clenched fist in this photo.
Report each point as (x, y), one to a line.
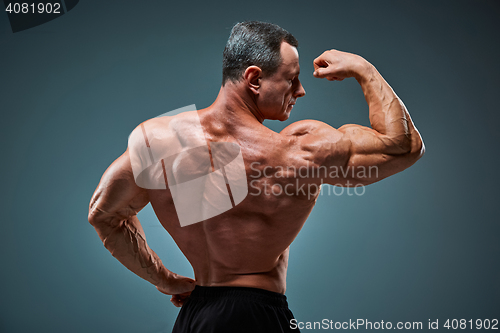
(179, 287)
(337, 65)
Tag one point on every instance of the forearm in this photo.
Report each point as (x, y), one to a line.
(387, 113)
(127, 242)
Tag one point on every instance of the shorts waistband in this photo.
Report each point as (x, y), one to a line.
(241, 293)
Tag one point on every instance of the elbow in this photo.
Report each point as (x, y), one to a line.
(93, 220)
(417, 149)
(98, 220)
(422, 149)
(91, 217)
(412, 145)
(102, 226)
(95, 216)
(419, 146)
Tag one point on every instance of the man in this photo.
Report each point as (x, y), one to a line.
(240, 256)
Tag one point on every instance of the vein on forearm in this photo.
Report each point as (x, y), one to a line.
(387, 113)
(128, 244)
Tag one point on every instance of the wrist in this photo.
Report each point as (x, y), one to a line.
(164, 276)
(363, 70)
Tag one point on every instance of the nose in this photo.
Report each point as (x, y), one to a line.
(300, 91)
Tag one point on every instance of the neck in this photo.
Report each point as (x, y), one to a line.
(236, 105)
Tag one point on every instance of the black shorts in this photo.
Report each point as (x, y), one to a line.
(234, 310)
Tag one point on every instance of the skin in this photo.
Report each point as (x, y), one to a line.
(249, 244)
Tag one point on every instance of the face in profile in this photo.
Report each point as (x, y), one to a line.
(279, 91)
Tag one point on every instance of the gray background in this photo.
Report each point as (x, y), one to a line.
(420, 245)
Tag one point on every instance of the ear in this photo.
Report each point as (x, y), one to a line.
(253, 76)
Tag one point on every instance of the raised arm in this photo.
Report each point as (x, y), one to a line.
(113, 213)
(391, 145)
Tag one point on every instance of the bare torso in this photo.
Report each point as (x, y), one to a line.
(247, 245)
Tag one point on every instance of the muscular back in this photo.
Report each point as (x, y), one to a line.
(248, 244)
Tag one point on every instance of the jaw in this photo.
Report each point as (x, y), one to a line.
(288, 110)
(285, 114)
(281, 112)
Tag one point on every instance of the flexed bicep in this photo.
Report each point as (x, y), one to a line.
(351, 155)
(373, 156)
(391, 145)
